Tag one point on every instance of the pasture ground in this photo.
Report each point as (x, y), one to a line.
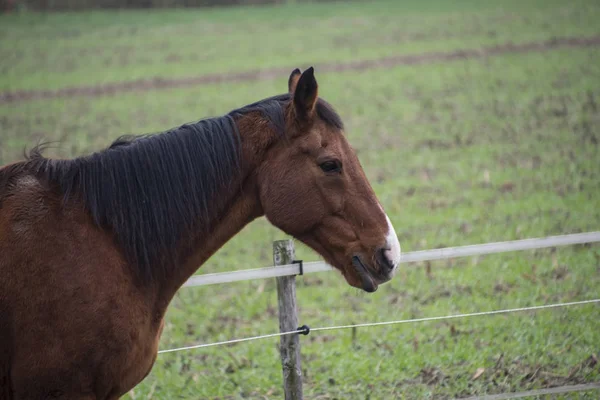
(462, 151)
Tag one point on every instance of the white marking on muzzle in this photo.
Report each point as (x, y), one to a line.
(392, 243)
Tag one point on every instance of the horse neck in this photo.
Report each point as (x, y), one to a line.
(242, 205)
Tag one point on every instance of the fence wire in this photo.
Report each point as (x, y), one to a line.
(402, 321)
(538, 392)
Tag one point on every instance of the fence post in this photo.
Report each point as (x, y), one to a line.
(283, 253)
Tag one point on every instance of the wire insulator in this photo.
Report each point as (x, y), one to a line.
(304, 330)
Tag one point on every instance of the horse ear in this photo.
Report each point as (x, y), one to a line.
(306, 93)
(293, 80)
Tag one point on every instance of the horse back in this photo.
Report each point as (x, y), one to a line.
(8, 174)
(65, 289)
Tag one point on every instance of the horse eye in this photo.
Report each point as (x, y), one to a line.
(331, 166)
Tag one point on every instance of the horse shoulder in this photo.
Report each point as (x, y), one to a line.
(57, 264)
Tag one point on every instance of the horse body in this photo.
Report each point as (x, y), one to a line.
(56, 347)
(92, 250)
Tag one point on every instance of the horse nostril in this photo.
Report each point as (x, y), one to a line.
(385, 263)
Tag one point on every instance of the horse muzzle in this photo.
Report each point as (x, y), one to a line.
(370, 279)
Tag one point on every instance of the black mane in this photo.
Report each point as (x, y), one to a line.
(153, 190)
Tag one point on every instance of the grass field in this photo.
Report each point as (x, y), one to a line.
(459, 152)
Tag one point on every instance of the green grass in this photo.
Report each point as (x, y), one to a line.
(460, 152)
(54, 51)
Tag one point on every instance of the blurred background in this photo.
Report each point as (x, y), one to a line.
(475, 121)
(115, 4)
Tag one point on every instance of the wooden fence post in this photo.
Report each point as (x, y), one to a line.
(283, 253)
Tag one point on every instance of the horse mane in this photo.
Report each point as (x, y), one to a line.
(154, 189)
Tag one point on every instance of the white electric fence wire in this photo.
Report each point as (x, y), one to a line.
(477, 314)
(198, 346)
(415, 256)
(403, 321)
(538, 392)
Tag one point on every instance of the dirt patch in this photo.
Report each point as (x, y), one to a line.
(273, 73)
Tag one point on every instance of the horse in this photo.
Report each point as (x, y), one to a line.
(94, 248)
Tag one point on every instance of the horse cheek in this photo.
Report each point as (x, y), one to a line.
(290, 208)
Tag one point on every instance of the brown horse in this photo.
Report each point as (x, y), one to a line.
(93, 249)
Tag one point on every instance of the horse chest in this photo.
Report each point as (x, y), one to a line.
(137, 363)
